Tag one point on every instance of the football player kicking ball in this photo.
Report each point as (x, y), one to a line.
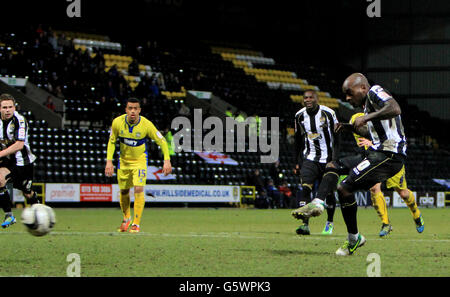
(133, 132)
(397, 182)
(384, 159)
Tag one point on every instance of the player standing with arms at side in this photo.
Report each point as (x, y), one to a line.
(382, 123)
(16, 155)
(133, 132)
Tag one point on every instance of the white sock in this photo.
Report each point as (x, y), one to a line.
(353, 237)
(318, 201)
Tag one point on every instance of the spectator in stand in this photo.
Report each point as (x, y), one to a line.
(256, 180)
(154, 88)
(143, 88)
(173, 82)
(273, 192)
(286, 195)
(133, 68)
(110, 92)
(113, 72)
(198, 82)
(123, 91)
(98, 58)
(59, 93)
(64, 43)
(53, 40)
(50, 104)
(262, 200)
(161, 82)
(275, 173)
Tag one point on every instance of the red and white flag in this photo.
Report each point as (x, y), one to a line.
(155, 173)
(216, 158)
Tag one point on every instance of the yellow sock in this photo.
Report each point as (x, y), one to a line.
(139, 204)
(411, 202)
(125, 205)
(379, 203)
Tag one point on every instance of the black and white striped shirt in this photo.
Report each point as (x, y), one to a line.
(387, 135)
(16, 129)
(318, 133)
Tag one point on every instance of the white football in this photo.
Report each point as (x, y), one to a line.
(39, 219)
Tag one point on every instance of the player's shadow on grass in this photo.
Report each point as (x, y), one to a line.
(288, 252)
(298, 252)
(273, 232)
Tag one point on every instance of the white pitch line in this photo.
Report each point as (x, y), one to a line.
(223, 235)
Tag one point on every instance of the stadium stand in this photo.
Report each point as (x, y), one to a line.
(94, 76)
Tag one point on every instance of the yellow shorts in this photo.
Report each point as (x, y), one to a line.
(398, 180)
(128, 178)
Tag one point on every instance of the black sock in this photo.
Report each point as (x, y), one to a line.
(33, 199)
(5, 200)
(306, 198)
(349, 209)
(331, 207)
(328, 184)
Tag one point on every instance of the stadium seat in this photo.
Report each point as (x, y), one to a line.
(249, 80)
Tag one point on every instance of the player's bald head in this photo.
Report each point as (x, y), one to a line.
(355, 80)
(355, 88)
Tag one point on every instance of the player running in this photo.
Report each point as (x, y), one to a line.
(315, 145)
(133, 132)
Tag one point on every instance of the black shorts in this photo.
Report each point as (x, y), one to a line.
(347, 163)
(311, 171)
(22, 177)
(376, 167)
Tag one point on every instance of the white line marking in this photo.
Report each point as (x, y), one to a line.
(315, 236)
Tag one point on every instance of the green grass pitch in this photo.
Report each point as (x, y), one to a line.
(224, 242)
